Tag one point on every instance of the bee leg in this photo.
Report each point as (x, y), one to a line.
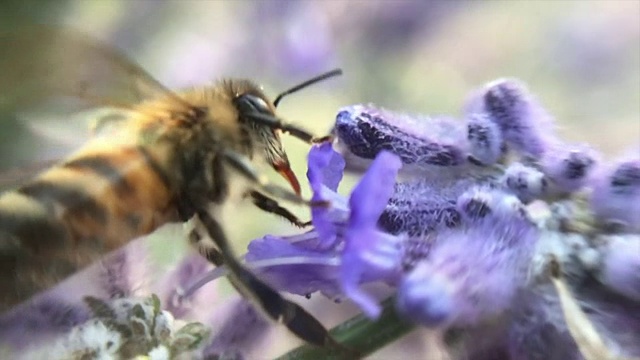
(293, 316)
(211, 254)
(261, 183)
(275, 123)
(270, 205)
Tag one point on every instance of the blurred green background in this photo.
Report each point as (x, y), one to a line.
(581, 58)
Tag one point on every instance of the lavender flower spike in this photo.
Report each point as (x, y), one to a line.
(527, 183)
(472, 274)
(419, 208)
(568, 167)
(620, 269)
(616, 195)
(422, 143)
(525, 125)
(486, 145)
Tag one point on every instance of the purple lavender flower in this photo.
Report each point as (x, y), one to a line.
(620, 268)
(418, 208)
(525, 124)
(418, 219)
(363, 131)
(472, 274)
(485, 203)
(367, 249)
(615, 199)
(358, 251)
(486, 145)
(295, 265)
(527, 183)
(568, 167)
(324, 174)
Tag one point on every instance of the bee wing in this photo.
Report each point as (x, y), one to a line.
(41, 63)
(48, 74)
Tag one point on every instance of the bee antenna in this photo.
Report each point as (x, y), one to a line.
(332, 73)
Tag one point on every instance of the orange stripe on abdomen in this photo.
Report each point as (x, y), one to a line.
(76, 212)
(134, 192)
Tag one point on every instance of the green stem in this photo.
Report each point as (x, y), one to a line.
(359, 334)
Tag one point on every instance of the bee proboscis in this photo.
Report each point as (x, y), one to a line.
(174, 156)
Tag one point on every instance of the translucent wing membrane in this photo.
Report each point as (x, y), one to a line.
(48, 75)
(44, 63)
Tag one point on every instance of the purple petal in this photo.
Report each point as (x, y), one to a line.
(369, 198)
(379, 259)
(300, 279)
(324, 174)
(368, 250)
(327, 230)
(326, 220)
(325, 167)
(368, 254)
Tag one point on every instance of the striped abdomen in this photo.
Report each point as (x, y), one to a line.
(72, 214)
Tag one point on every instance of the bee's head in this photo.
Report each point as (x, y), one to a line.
(264, 126)
(259, 118)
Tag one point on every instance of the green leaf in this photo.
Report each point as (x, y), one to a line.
(188, 337)
(155, 302)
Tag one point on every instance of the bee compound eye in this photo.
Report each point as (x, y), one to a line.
(252, 103)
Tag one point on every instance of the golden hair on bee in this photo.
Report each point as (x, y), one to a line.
(173, 157)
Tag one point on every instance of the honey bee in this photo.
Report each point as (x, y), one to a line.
(173, 157)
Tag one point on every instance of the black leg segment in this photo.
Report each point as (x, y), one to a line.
(270, 205)
(293, 316)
